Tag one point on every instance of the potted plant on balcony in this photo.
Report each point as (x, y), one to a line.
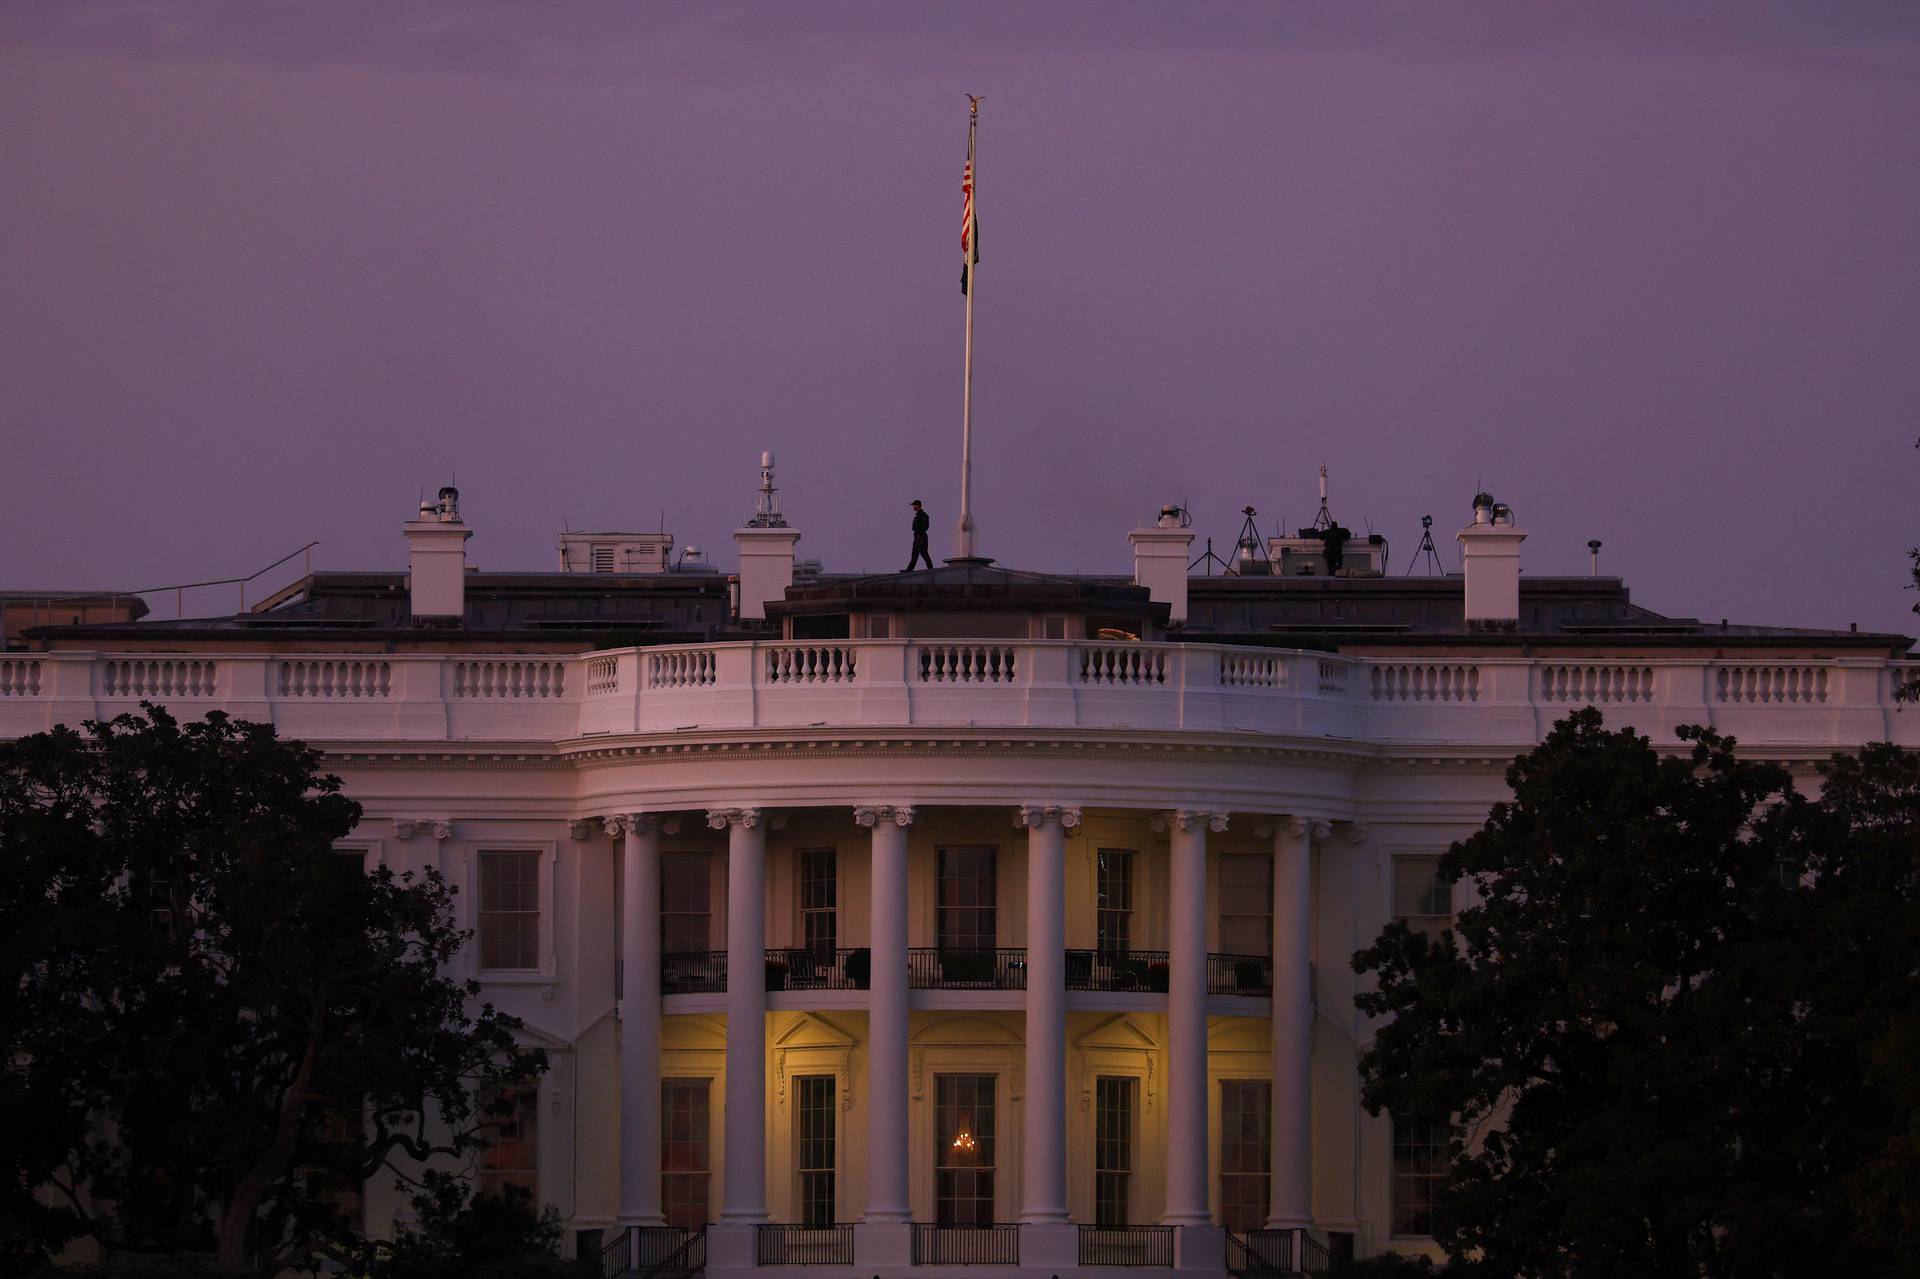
(1157, 976)
(776, 974)
(860, 968)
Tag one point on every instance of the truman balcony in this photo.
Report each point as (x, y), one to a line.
(760, 686)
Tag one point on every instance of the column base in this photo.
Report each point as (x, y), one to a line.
(882, 1245)
(1200, 1251)
(730, 1246)
(1049, 1245)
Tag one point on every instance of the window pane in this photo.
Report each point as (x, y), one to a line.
(686, 903)
(816, 1116)
(819, 897)
(510, 1156)
(510, 910)
(963, 1154)
(1419, 1161)
(1420, 900)
(1246, 905)
(1112, 1149)
(684, 1168)
(967, 918)
(1246, 1137)
(1114, 900)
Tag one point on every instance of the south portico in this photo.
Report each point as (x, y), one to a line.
(1043, 1235)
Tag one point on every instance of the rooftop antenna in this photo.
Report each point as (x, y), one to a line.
(1250, 553)
(1427, 551)
(1324, 520)
(1208, 559)
(766, 511)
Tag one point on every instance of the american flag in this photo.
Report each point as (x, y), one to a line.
(969, 231)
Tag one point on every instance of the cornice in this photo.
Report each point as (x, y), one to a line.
(590, 753)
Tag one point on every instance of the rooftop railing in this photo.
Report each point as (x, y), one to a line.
(1498, 701)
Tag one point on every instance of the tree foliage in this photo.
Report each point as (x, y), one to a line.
(206, 1012)
(458, 1234)
(1668, 1036)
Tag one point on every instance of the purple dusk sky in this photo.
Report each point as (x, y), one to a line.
(1647, 271)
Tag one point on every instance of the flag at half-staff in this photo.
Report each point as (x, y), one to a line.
(969, 228)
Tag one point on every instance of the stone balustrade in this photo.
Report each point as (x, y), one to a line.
(880, 684)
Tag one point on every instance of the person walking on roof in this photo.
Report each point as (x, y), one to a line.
(920, 526)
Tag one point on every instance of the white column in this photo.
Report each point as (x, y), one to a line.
(745, 1200)
(1187, 1019)
(1043, 1122)
(1291, 1204)
(639, 1019)
(887, 1018)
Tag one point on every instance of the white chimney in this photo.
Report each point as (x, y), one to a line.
(1160, 561)
(1490, 551)
(766, 549)
(437, 559)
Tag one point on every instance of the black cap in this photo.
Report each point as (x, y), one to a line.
(915, 502)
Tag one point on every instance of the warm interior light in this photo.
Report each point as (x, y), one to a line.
(964, 1141)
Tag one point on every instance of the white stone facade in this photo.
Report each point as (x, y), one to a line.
(869, 758)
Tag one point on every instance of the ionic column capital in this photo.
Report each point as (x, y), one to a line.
(882, 814)
(615, 824)
(407, 827)
(1190, 819)
(1305, 827)
(721, 818)
(1354, 832)
(1036, 815)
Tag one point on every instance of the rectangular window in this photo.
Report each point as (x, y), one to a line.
(1113, 921)
(686, 903)
(1246, 904)
(510, 1158)
(339, 1131)
(1246, 1152)
(963, 1150)
(813, 1095)
(510, 910)
(968, 917)
(1112, 1149)
(1419, 1160)
(685, 1170)
(819, 901)
(1420, 900)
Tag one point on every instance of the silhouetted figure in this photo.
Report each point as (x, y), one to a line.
(920, 526)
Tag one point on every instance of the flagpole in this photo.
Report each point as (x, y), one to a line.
(964, 542)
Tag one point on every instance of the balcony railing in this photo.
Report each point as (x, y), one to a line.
(1126, 1245)
(1239, 975)
(810, 969)
(785, 1245)
(1272, 1254)
(1502, 702)
(996, 1245)
(693, 972)
(933, 968)
(658, 1252)
(1117, 970)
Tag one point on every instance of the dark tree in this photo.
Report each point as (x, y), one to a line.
(207, 1013)
(462, 1235)
(1655, 1037)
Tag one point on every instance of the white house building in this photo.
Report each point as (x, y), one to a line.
(959, 920)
